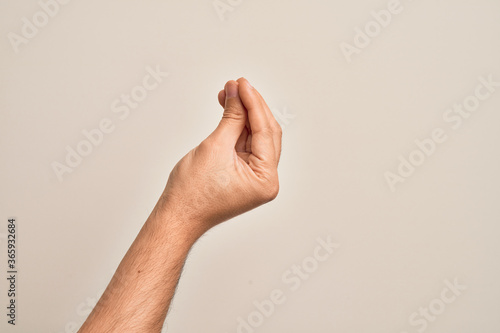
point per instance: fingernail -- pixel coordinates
(231, 90)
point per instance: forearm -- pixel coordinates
(232, 171)
(139, 294)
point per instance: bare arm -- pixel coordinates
(230, 172)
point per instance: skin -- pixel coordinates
(230, 172)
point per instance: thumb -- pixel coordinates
(234, 117)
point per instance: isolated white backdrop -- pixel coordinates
(347, 121)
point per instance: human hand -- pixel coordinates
(234, 169)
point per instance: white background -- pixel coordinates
(345, 125)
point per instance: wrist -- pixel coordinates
(168, 217)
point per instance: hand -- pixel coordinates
(234, 169)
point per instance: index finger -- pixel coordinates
(261, 131)
(263, 119)
(257, 116)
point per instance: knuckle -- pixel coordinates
(269, 131)
(278, 129)
(205, 145)
(271, 191)
(233, 112)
